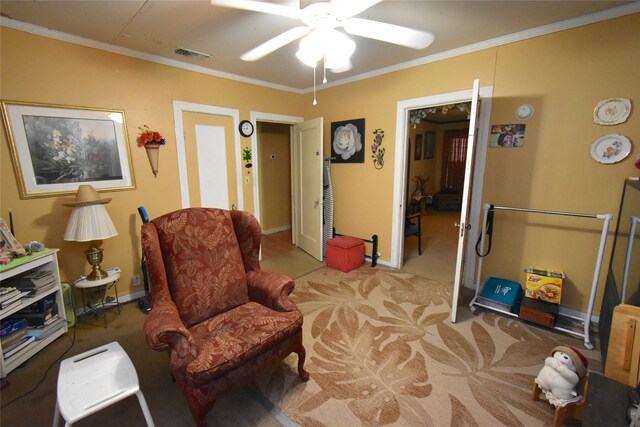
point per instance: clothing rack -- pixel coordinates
(606, 218)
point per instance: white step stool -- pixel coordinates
(95, 379)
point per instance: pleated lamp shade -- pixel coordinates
(89, 223)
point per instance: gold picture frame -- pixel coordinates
(56, 148)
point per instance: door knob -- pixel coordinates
(316, 203)
(233, 207)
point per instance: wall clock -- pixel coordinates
(246, 128)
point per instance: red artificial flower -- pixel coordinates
(149, 136)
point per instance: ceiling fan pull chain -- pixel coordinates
(315, 102)
(324, 67)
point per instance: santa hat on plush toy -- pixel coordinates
(579, 361)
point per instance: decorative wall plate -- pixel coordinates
(524, 111)
(612, 111)
(610, 148)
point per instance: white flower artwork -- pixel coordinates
(347, 142)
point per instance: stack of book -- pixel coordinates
(34, 282)
(10, 297)
(14, 337)
(501, 294)
(42, 317)
(39, 314)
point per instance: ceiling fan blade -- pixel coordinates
(258, 6)
(389, 33)
(275, 43)
(344, 9)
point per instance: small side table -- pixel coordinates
(102, 286)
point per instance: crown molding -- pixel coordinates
(604, 15)
(592, 18)
(70, 38)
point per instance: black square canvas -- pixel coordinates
(347, 141)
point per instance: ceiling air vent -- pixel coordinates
(191, 53)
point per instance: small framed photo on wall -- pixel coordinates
(418, 148)
(429, 145)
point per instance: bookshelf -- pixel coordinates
(44, 260)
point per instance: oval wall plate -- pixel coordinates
(612, 111)
(610, 148)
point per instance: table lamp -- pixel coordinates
(90, 222)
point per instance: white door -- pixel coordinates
(463, 225)
(212, 167)
(187, 116)
(308, 160)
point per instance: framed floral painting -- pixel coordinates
(347, 141)
(56, 148)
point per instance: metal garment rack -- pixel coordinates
(606, 218)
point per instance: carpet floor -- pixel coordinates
(381, 350)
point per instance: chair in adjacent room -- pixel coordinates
(220, 317)
(412, 228)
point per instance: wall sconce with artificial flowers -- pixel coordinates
(151, 141)
(378, 153)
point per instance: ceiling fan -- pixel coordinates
(321, 38)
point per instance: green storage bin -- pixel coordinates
(69, 306)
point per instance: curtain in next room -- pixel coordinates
(454, 159)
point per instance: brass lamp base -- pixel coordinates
(94, 257)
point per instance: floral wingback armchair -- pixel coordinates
(218, 315)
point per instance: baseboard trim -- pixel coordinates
(277, 229)
(121, 298)
(379, 262)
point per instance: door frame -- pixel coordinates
(257, 116)
(180, 107)
(400, 181)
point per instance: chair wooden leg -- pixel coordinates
(199, 415)
(302, 354)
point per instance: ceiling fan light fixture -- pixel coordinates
(341, 67)
(327, 43)
(311, 49)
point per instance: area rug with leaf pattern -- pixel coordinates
(381, 350)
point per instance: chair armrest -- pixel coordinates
(271, 289)
(163, 327)
(164, 330)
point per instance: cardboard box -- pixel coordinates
(544, 284)
(538, 311)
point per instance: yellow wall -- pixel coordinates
(275, 187)
(563, 75)
(37, 69)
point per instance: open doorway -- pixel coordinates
(435, 172)
(476, 157)
(274, 158)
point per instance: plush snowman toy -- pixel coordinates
(562, 372)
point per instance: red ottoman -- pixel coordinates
(345, 253)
